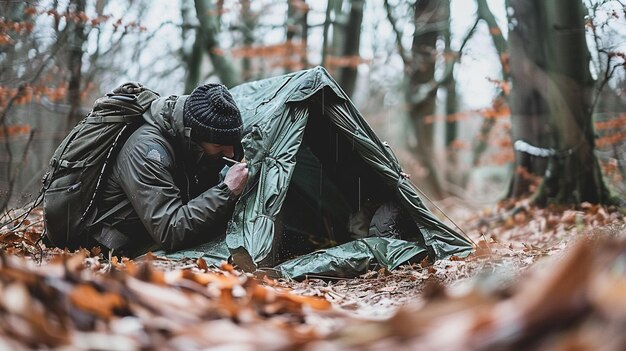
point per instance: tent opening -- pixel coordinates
(334, 196)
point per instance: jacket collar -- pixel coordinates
(166, 113)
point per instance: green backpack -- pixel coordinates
(80, 165)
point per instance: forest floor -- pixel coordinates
(551, 278)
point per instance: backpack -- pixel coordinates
(80, 165)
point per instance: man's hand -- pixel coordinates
(236, 178)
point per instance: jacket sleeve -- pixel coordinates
(147, 179)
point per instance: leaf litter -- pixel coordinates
(551, 278)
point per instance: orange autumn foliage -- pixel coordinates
(102, 304)
(344, 61)
(616, 122)
(265, 51)
(14, 130)
(28, 93)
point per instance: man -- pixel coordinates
(165, 190)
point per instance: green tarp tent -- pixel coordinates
(318, 175)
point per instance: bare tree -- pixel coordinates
(77, 38)
(450, 83)
(47, 73)
(421, 85)
(247, 26)
(347, 75)
(192, 59)
(207, 35)
(340, 52)
(297, 26)
(500, 44)
(557, 73)
(530, 113)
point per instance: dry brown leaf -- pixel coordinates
(32, 235)
(608, 294)
(520, 218)
(201, 263)
(16, 299)
(167, 302)
(96, 251)
(221, 281)
(227, 303)
(552, 221)
(227, 267)
(569, 217)
(315, 303)
(10, 238)
(102, 304)
(560, 293)
(483, 249)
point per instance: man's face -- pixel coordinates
(217, 151)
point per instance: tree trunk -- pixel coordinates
(297, 26)
(77, 38)
(325, 38)
(194, 63)
(337, 43)
(94, 57)
(427, 16)
(247, 31)
(563, 82)
(304, 60)
(499, 42)
(192, 59)
(575, 177)
(347, 75)
(209, 30)
(530, 114)
(451, 102)
(338, 25)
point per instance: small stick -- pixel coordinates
(230, 160)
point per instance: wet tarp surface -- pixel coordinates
(303, 134)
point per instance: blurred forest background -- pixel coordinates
(480, 99)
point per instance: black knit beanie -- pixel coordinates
(211, 113)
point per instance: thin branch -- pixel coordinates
(608, 73)
(13, 178)
(428, 26)
(3, 113)
(449, 69)
(166, 23)
(398, 32)
(325, 33)
(35, 77)
(485, 14)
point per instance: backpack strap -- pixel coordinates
(75, 164)
(100, 176)
(113, 119)
(55, 163)
(111, 211)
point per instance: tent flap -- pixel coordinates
(353, 258)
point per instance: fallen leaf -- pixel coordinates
(87, 298)
(202, 264)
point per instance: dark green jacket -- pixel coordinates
(161, 192)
